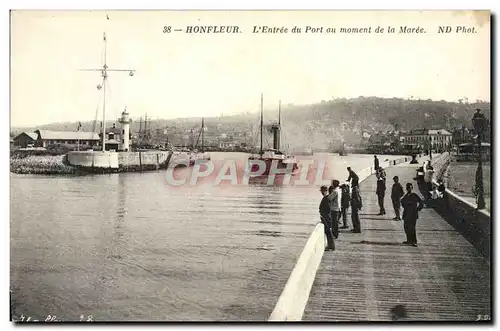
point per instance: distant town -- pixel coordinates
(362, 125)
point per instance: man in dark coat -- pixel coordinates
(325, 214)
(412, 204)
(344, 204)
(381, 174)
(356, 205)
(353, 176)
(381, 195)
(396, 195)
(375, 162)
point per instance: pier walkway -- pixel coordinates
(443, 279)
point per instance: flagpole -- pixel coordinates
(104, 72)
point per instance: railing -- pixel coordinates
(293, 299)
(473, 224)
(441, 164)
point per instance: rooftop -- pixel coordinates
(428, 132)
(67, 135)
(32, 135)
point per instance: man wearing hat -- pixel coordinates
(325, 215)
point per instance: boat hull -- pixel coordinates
(280, 165)
(198, 157)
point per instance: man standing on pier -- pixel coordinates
(334, 197)
(325, 214)
(412, 204)
(356, 205)
(396, 195)
(380, 174)
(375, 162)
(344, 204)
(381, 194)
(352, 176)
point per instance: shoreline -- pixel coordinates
(48, 164)
(57, 165)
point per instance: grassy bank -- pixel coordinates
(462, 179)
(40, 165)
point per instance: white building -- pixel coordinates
(439, 139)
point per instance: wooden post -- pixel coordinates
(157, 161)
(140, 161)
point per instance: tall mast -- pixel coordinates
(261, 122)
(202, 133)
(278, 133)
(104, 79)
(140, 130)
(104, 73)
(146, 136)
(192, 140)
(279, 113)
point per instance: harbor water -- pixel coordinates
(128, 247)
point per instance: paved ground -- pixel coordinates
(443, 279)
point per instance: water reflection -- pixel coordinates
(118, 240)
(129, 247)
(268, 205)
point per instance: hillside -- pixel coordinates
(317, 124)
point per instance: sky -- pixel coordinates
(194, 75)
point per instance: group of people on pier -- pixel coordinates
(338, 198)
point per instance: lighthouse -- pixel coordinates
(125, 134)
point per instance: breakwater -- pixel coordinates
(41, 165)
(81, 162)
(93, 161)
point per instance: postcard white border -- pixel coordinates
(187, 4)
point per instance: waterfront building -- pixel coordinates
(438, 139)
(45, 138)
(381, 143)
(24, 139)
(113, 138)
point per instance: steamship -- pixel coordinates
(283, 161)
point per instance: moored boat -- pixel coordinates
(274, 155)
(196, 155)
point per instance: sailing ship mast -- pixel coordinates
(104, 73)
(202, 134)
(140, 131)
(279, 127)
(279, 113)
(261, 123)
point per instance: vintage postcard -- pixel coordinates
(266, 165)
